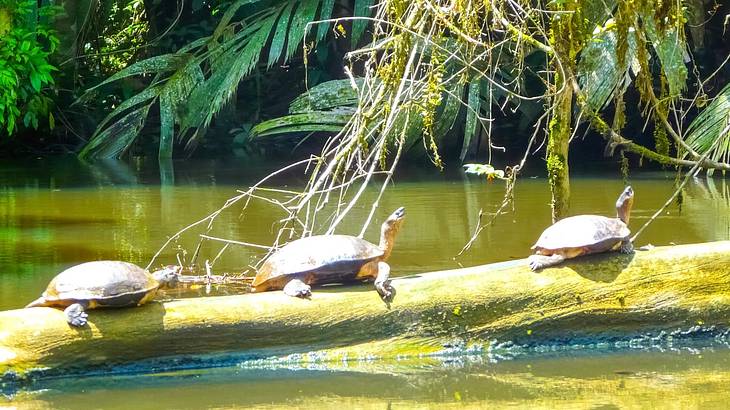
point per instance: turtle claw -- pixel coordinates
(627, 247)
(75, 315)
(537, 262)
(384, 290)
(382, 282)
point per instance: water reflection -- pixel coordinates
(689, 378)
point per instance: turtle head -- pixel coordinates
(389, 230)
(168, 277)
(624, 203)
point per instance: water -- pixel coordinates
(679, 379)
(54, 214)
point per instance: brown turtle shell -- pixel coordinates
(582, 231)
(105, 283)
(316, 259)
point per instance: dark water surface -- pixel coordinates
(54, 214)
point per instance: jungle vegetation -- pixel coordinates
(365, 83)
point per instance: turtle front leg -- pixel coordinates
(297, 288)
(538, 262)
(76, 315)
(382, 282)
(626, 246)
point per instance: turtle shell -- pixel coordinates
(582, 231)
(105, 283)
(316, 259)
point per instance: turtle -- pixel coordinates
(99, 284)
(585, 234)
(321, 259)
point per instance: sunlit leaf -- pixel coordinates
(707, 127)
(325, 121)
(325, 96)
(671, 47)
(599, 75)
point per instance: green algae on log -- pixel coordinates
(598, 297)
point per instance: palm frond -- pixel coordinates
(670, 45)
(323, 121)
(143, 96)
(362, 9)
(228, 15)
(597, 12)
(599, 75)
(152, 65)
(326, 96)
(167, 125)
(236, 62)
(304, 14)
(324, 14)
(116, 139)
(707, 127)
(446, 118)
(474, 103)
(188, 96)
(277, 43)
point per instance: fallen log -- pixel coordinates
(599, 297)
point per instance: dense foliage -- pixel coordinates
(458, 78)
(26, 42)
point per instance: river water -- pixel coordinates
(57, 213)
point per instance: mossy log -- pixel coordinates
(596, 297)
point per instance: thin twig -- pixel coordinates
(676, 192)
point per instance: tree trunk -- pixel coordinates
(557, 153)
(596, 298)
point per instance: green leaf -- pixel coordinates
(157, 64)
(304, 14)
(472, 112)
(277, 44)
(447, 117)
(324, 14)
(139, 98)
(35, 81)
(706, 128)
(597, 12)
(325, 121)
(671, 47)
(326, 96)
(115, 140)
(167, 126)
(228, 15)
(362, 9)
(207, 98)
(599, 75)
